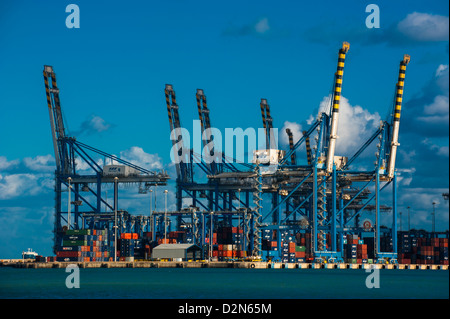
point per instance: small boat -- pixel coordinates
(29, 254)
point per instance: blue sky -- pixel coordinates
(112, 71)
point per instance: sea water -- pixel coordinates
(223, 283)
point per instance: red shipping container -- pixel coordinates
(300, 254)
(273, 243)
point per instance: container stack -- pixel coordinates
(228, 243)
(224, 252)
(356, 251)
(84, 245)
(129, 246)
(422, 250)
(386, 244)
(294, 249)
(230, 235)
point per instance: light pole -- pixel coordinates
(68, 204)
(409, 219)
(115, 218)
(433, 218)
(150, 219)
(165, 216)
(211, 237)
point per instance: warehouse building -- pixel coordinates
(177, 252)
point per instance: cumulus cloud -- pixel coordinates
(40, 163)
(139, 157)
(424, 27)
(18, 185)
(355, 126)
(296, 130)
(415, 28)
(6, 165)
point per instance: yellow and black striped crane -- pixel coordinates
(335, 107)
(397, 112)
(308, 148)
(291, 146)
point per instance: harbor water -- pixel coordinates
(223, 283)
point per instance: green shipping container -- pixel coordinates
(78, 232)
(300, 248)
(370, 261)
(74, 242)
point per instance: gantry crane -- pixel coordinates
(322, 192)
(87, 186)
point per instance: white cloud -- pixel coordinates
(405, 176)
(94, 124)
(262, 25)
(5, 164)
(296, 130)
(439, 106)
(439, 150)
(137, 156)
(41, 163)
(99, 124)
(425, 27)
(17, 185)
(442, 69)
(355, 125)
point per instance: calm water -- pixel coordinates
(188, 283)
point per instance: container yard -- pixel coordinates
(313, 219)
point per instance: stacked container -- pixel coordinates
(84, 245)
(228, 251)
(356, 250)
(230, 235)
(130, 247)
(413, 249)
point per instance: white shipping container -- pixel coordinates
(119, 170)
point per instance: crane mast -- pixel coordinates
(335, 110)
(397, 111)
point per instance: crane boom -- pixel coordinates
(308, 148)
(291, 146)
(267, 124)
(63, 162)
(336, 100)
(203, 114)
(397, 111)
